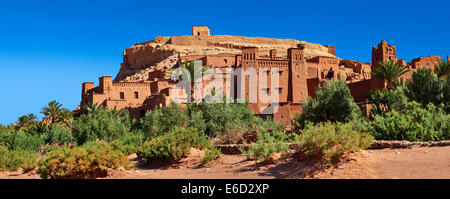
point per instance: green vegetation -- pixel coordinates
(58, 135)
(333, 103)
(101, 124)
(219, 118)
(387, 100)
(425, 87)
(174, 145)
(17, 139)
(11, 160)
(442, 68)
(390, 72)
(413, 123)
(329, 142)
(266, 145)
(88, 161)
(159, 121)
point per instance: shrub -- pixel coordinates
(197, 121)
(233, 136)
(219, 118)
(387, 100)
(330, 141)
(414, 123)
(333, 102)
(88, 161)
(4, 129)
(58, 135)
(17, 139)
(101, 124)
(173, 145)
(446, 96)
(425, 87)
(129, 143)
(265, 146)
(13, 160)
(284, 137)
(160, 121)
(266, 125)
(211, 155)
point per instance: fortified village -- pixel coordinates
(142, 83)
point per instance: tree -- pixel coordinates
(26, 121)
(442, 68)
(52, 110)
(390, 71)
(333, 102)
(160, 120)
(190, 71)
(64, 117)
(92, 108)
(387, 100)
(425, 87)
(102, 124)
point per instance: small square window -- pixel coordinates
(122, 95)
(266, 90)
(136, 95)
(280, 90)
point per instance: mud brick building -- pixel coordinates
(299, 74)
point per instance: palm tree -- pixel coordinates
(52, 110)
(26, 121)
(390, 71)
(64, 116)
(192, 72)
(117, 112)
(442, 68)
(92, 108)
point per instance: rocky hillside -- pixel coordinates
(163, 52)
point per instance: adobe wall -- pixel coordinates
(359, 90)
(200, 31)
(312, 85)
(144, 56)
(425, 62)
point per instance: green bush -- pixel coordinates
(129, 143)
(17, 139)
(387, 100)
(4, 129)
(88, 161)
(414, 123)
(425, 87)
(211, 155)
(101, 124)
(333, 103)
(266, 145)
(58, 135)
(219, 118)
(329, 141)
(161, 120)
(174, 145)
(197, 121)
(266, 125)
(446, 96)
(13, 160)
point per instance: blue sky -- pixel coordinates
(48, 48)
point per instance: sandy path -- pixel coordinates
(416, 163)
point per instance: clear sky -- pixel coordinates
(48, 48)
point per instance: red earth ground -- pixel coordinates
(416, 162)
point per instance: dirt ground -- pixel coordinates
(415, 163)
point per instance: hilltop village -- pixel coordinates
(142, 83)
